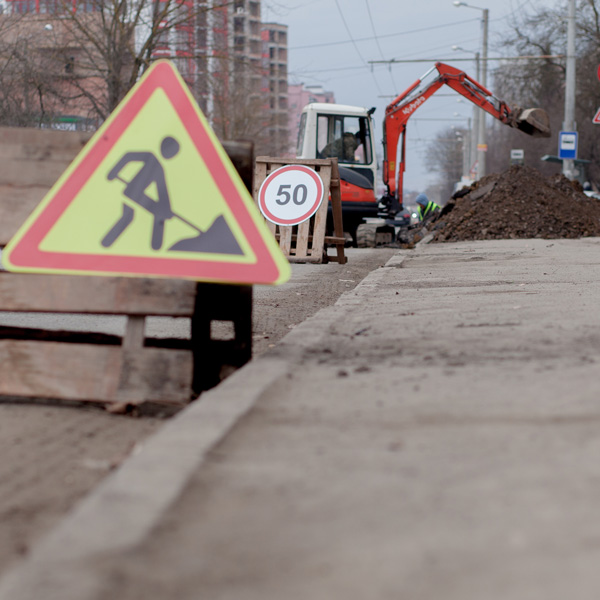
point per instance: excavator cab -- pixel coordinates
(346, 133)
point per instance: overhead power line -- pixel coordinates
(381, 37)
(377, 41)
(354, 43)
(432, 60)
(487, 58)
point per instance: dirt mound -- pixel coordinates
(519, 203)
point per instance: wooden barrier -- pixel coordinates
(308, 242)
(119, 372)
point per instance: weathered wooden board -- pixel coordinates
(55, 145)
(17, 202)
(103, 295)
(89, 372)
(307, 241)
(83, 366)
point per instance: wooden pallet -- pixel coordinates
(308, 242)
(119, 372)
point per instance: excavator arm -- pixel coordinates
(532, 121)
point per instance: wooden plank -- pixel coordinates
(54, 137)
(336, 209)
(134, 333)
(285, 239)
(241, 154)
(23, 172)
(302, 238)
(260, 174)
(85, 372)
(102, 295)
(16, 204)
(41, 144)
(310, 162)
(271, 227)
(156, 375)
(320, 218)
(306, 259)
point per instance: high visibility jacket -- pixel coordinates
(428, 210)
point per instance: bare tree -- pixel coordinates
(81, 57)
(445, 156)
(24, 74)
(239, 109)
(110, 43)
(540, 82)
(85, 55)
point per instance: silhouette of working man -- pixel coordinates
(150, 173)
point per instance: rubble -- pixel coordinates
(518, 203)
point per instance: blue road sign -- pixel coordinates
(567, 144)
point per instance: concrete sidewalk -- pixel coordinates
(435, 434)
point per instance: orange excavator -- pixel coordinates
(346, 132)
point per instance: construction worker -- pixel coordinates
(426, 208)
(343, 148)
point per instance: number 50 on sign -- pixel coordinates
(290, 195)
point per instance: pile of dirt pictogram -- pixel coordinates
(519, 203)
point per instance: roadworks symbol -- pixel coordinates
(218, 238)
(153, 194)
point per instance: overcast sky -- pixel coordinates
(331, 42)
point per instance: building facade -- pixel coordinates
(299, 95)
(235, 65)
(275, 67)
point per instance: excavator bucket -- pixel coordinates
(534, 122)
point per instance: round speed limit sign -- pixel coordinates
(290, 195)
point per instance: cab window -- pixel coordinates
(301, 130)
(346, 138)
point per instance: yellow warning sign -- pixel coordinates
(152, 194)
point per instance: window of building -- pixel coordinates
(23, 6)
(162, 39)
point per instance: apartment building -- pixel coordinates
(299, 95)
(45, 81)
(235, 65)
(275, 65)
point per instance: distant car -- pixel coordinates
(403, 218)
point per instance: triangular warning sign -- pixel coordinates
(596, 118)
(153, 194)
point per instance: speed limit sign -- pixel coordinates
(290, 195)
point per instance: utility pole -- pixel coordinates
(481, 142)
(569, 122)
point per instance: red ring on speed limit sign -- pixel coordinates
(290, 195)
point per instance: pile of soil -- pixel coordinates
(519, 203)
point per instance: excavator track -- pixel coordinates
(369, 235)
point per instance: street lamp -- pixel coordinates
(477, 115)
(569, 122)
(481, 146)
